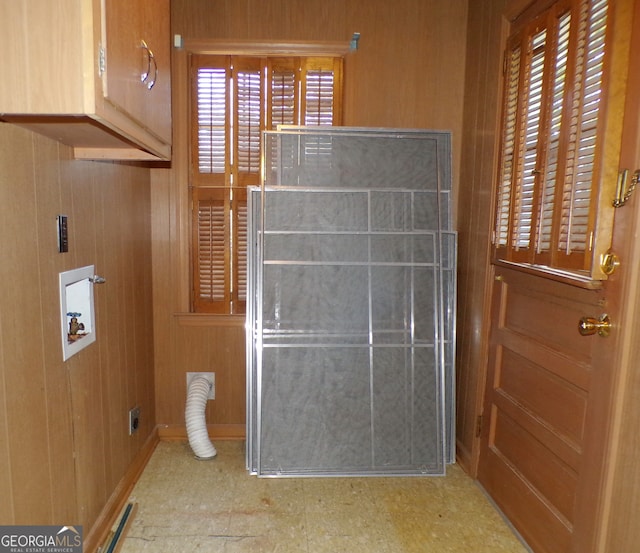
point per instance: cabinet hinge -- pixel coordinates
(102, 60)
(478, 426)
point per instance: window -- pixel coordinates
(551, 137)
(233, 99)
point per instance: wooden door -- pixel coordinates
(549, 396)
(546, 410)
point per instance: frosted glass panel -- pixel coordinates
(351, 314)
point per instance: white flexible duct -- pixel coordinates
(195, 418)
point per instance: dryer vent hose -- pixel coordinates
(195, 418)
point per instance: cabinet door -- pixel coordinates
(157, 34)
(137, 51)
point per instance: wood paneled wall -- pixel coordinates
(475, 205)
(64, 443)
(408, 72)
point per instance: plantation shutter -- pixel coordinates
(210, 96)
(320, 77)
(578, 193)
(240, 239)
(559, 87)
(548, 181)
(509, 160)
(283, 92)
(529, 141)
(234, 99)
(249, 122)
(211, 215)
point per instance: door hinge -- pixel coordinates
(478, 426)
(102, 60)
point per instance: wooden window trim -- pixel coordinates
(266, 48)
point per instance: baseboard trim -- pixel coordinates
(216, 431)
(110, 512)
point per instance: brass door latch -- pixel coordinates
(589, 326)
(623, 194)
(609, 262)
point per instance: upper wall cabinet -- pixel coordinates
(93, 74)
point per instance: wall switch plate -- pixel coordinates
(134, 420)
(211, 377)
(63, 234)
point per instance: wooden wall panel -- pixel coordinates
(54, 192)
(64, 443)
(24, 374)
(408, 70)
(202, 346)
(6, 487)
(475, 205)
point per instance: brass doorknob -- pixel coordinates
(589, 326)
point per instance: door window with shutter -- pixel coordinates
(555, 82)
(234, 99)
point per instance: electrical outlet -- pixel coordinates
(134, 420)
(211, 377)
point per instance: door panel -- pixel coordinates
(545, 446)
(539, 398)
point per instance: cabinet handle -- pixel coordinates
(155, 71)
(144, 76)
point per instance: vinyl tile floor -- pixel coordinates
(186, 505)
